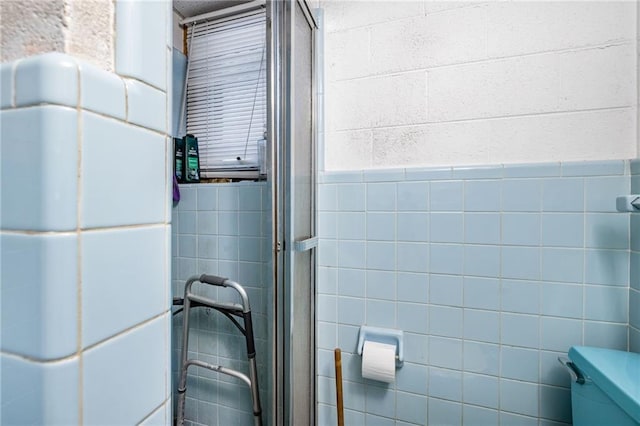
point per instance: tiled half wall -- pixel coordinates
(223, 229)
(85, 245)
(491, 272)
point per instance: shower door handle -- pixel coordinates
(306, 244)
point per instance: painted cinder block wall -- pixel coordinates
(85, 220)
(80, 28)
(457, 83)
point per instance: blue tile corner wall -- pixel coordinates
(85, 240)
(223, 229)
(491, 272)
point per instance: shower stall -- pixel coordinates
(255, 229)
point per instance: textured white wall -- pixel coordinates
(450, 83)
(29, 28)
(82, 28)
(90, 33)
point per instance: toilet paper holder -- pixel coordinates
(383, 335)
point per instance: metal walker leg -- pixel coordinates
(230, 310)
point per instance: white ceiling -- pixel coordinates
(188, 8)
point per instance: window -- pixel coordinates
(226, 92)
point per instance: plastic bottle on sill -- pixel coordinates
(192, 163)
(178, 159)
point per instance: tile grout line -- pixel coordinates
(14, 66)
(32, 359)
(92, 111)
(168, 203)
(127, 330)
(74, 232)
(126, 99)
(584, 257)
(79, 257)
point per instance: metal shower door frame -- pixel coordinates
(281, 101)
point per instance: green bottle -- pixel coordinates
(192, 163)
(178, 158)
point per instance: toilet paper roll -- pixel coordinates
(379, 361)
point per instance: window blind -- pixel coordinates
(226, 90)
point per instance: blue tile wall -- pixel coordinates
(39, 393)
(179, 67)
(142, 54)
(85, 238)
(491, 272)
(222, 229)
(124, 272)
(43, 198)
(39, 317)
(106, 141)
(634, 287)
(102, 92)
(144, 391)
(147, 105)
(50, 78)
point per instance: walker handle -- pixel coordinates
(213, 280)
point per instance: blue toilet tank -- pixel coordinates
(607, 389)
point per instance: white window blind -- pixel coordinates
(226, 90)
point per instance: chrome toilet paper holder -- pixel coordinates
(383, 335)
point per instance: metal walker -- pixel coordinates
(230, 310)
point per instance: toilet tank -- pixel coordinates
(605, 389)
